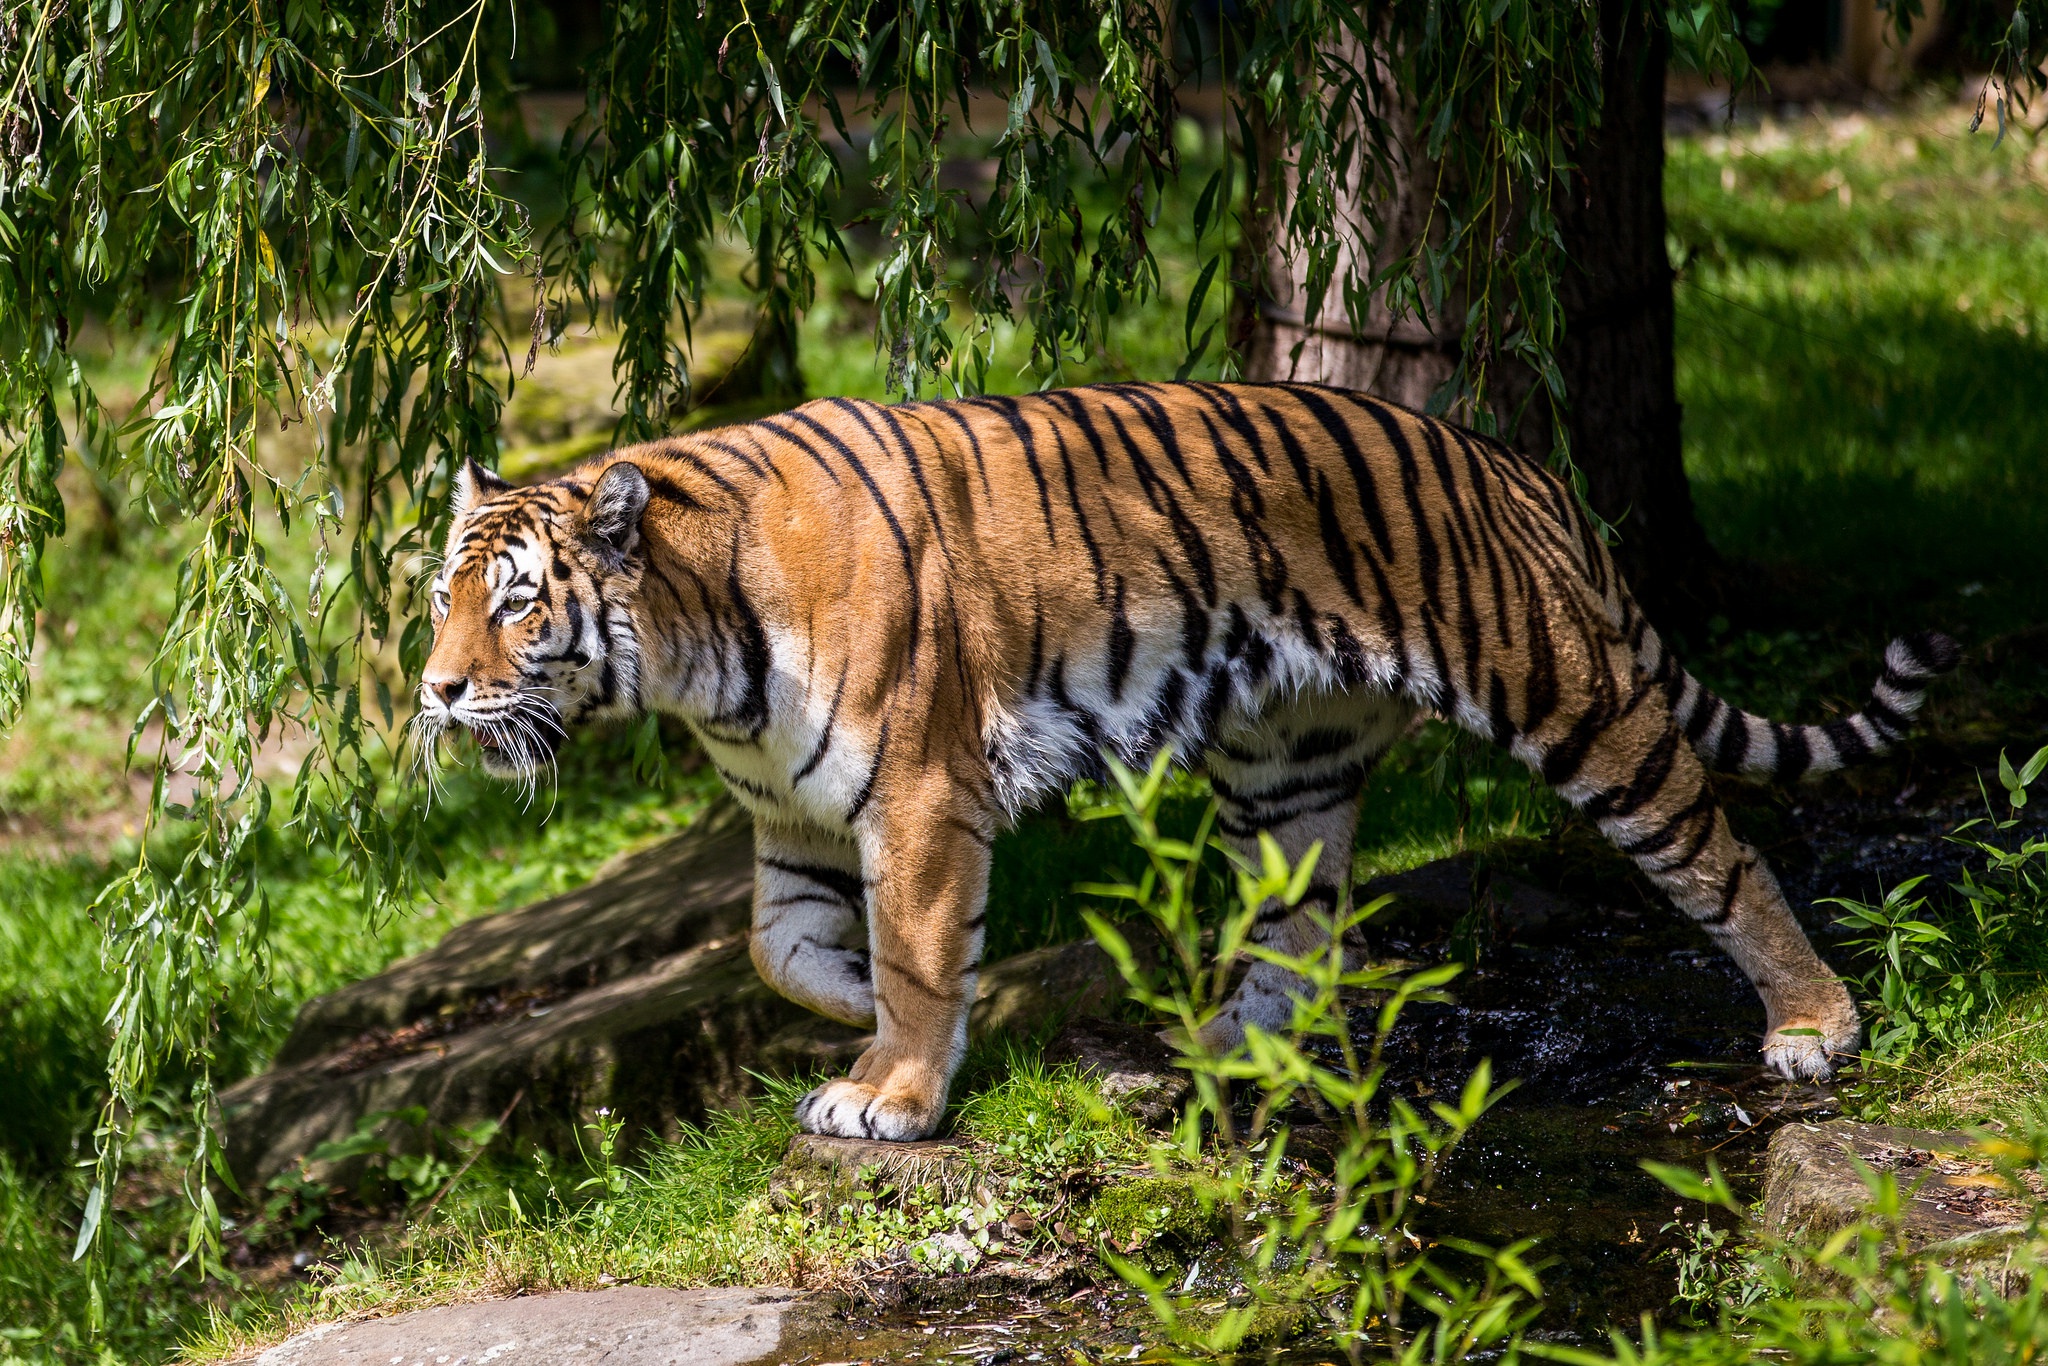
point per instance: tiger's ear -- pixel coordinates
(473, 484)
(611, 519)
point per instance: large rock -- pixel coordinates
(634, 993)
(1131, 1066)
(819, 1165)
(1952, 1204)
(624, 1326)
(681, 894)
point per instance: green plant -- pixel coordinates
(1861, 1294)
(409, 1169)
(1336, 1253)
(1712, 1266)
(1938, 971)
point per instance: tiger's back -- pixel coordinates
(894, 626)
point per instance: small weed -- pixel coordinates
(1714, 1270)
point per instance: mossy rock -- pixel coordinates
(1272, 1325)
(1175, 1210)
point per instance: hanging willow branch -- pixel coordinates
(295, 207)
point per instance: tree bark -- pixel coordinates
(1622, 411)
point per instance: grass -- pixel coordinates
(1999, 1075)
(700, 1210)
(1859, 372)
(1863, 323)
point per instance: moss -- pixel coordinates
(1270, 1325)
(1179, 1208)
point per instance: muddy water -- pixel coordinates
(1628, 1035)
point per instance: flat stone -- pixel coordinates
(622, 1326)
(818, 1163)
(1947, 1192)
(1132, 1066)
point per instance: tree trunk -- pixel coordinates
(1616, 355)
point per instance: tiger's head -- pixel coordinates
(532, 611)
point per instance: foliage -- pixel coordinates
(1860, 1294)
(1712, 1266)
(1936, 974)
(1341, 1252)
(145, 1302)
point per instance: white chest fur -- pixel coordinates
(812, 762)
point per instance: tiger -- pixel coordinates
(895, 627)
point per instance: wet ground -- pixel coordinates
(1627, 1041)
(1629, 1036)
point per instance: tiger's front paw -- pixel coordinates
(1801, 1050)
(852, 1109)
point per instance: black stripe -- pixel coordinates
(1194, 618)
(858, 411)
(914, 634)
(867, 787)
(668, 488)
(773, 424)
(1795, 756)
(824, 737)
(1648, 780)
(1342, 436)
(849, 886)
(1122, 643)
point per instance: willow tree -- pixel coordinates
(297, 210)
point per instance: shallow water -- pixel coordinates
(1629, 1037)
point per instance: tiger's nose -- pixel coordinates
(449, 690)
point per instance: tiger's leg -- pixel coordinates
(810, 940)
(927, 858)
(1642, 784)
(1296, 774)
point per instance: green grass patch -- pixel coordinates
(702, 1210)
(1863, 323)
(1998, 1074)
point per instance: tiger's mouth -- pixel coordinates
(521, 741)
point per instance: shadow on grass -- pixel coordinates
(1887, 436)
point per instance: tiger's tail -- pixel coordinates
(1730, 740)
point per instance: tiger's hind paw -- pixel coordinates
(852, 1109)
(1798, 1051)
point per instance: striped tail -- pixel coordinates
(1731, 740)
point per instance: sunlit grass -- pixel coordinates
(1863, 327)
(700, 1211)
